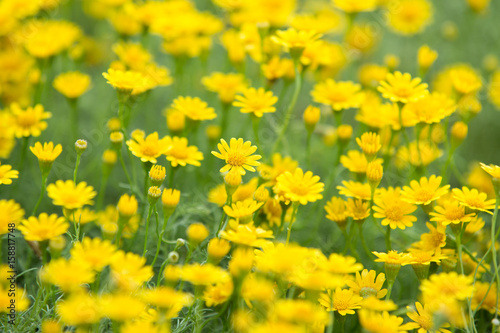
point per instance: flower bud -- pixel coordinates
(374, 173)
(218, 248)
(213, 132)
(113, 124)
(127, 206)
(458, 133)
(116, 139)
(109, 230)
(232, 180)
(173, 257)
(180, 242)
(311, 117)
(57, 245)
(196, 233)
(426, 57)
(154, 193)
(344, 133)
(80, 146)
(176, 121)
(261, 194)
(109, 157)
(157, 174)
(170, 199)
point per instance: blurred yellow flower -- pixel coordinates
(256, 101)
(29, 122)
(69, 195)
(72, 84)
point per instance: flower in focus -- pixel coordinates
(343, 301)
(46, 154)
(425, 191)
(238, 155)
(193, 108)
(367, 284)
(243, 210)
(129, 82)
(148, 149)
(474, 199)
(256, 101)
(69, 195)
(299, 186)
(450, 212)
(395, 212)
(295, 41)
(72, 84)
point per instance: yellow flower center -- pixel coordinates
(26, 119)
(474, 202)
(454, 213)
(341, 304)
(235, 159)
(149, 149)
(403, 91)
(300, 189)
(394, 213)
(422, 195)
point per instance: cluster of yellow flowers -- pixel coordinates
(253, 221)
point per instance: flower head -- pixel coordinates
(400, 87)
(425, 191)
(450, 211)
(29, 122)
(238, 155)
(243, 210)
(72, 84)
(226, 85)
(299, 186)
(11, 212)
(368, 283)
(44, 227)
(295, 40)
(69, 195)
(129, 82)
(46, 154)
(193, 108)
(340, 95)
(247, 234)
(369, 142)
(395, 212)
(181, 154)
(409, 17)
(256, 101)
(148, 149)
(344, 301)
(474, 199)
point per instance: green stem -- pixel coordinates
(24, 150)
(147, 230)
(102, 190)
(458, 242)
(74, 117)
(494, 250)
(388, 238)
(308, 150)
(295, 207)
(78, 156)
(160, 272)
(363, 242)
(255, 127)
(389, 290)
(44, 183)
(291, 106)
(122, 162)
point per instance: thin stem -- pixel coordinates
(74, 117)
(78, 156)
(458, 241)
(363, 242)
(494, 250)
(44, 183)
(292, 220)
(122, 162)
(291, 106)
(389, 290)
(171, 177)
(102, 190)
(308, 150)
(160, 272)
(147, 230)
(388, 238)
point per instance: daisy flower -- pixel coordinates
(343, 301)
(256, 101)
(69, 195)
(410, 17)
(399, 87)
(149, 148)
(181, 154)
(11, 213)
(355, 189)
(474, 199)
(193, 108)
(339, 95)
(72, 84)
(367, 284)
(299, 186)
(425, 191)
(29, 122)
(395, 212)
(238, 155)
(451, 211)
(45, 227)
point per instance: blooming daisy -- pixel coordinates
(129, 270)
(492, 170)
(181, 154)
(7, 174)
(369, 142)
(450, 211)
(295, 40)
(44, 227)
(395, 212)
(148, 149)
(339, 264)
(256, 101)
(425, 191)
(95, 252)
(336, 210)
(46, 153)
(399, 87)
(424, 319)
(247, 234)
(343, 301)
(11, 212)
(340, 95)
(69, 195)
(193, 108)
(367, 284)
(238, 155)
(29, 122)
(358, 209)
(203, 275)
(299, 186)
(129, 82)
(355, 189)
(382, 322)
(67, 274)
(474, 199)
(243, 210)
(226, 85)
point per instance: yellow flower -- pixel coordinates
(203, 275)
(226, 85)
(247, 234)
(339, 264)
(399, 87)
(66, 194)
(444, 287)
(450, 211)
(343, 301)
(95, 253)
(121, 307)
(465, 80)
(299, 186)
(256, 101)
(299, 311)
(150, 148)
(368, 284)
(29, 122)
(426, 57)
(294, 40)
(12, 213)
(69, 275)
(492, 170)
(409, 17)
(193, 108)
(79, 309)
(357, 209)
(484, 294)
(369, 142)
(355, 6)
(47, 153)
(41, 42)
(394, 211)
(168, 299)
(392, 258)
(279, 165)
(129, 270)
(7, 174)
(474, 199)
(354, 189)
(127, 205)
(494, 89)
(340, 95)
(243, 210)
(218, 248)
(382, 322)
(425, 191)
(197, 232)
(354, 161)
(72, 84)
(130, 82)
(336, 211)
(238, 155)
(423, 318)
(45, 227)
(429, 109)
(133, 55)
(181, 154)
(170, 197)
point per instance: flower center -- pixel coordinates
(474, 202)
(455, 213)
(394, 213)
(26, 119)
(300, 189)
(149, 149)
(235, 159)
(423, 195)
